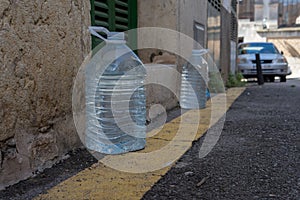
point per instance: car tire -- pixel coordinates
(283, 79)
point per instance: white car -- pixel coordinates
(273, 63)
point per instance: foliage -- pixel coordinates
(215, 84)
(235, 80)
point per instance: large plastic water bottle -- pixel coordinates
(194, 81)
(115, 99)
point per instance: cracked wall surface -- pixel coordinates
(42, 45)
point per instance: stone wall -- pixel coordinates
(42, 44)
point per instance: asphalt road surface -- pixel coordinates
(256, 157)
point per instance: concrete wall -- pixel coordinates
(161, 80)
(225, 56)
(42, 44)
(291, 50)
(171, 14)
(176, 15)
(248, 31)
(191, 11)
(157, 13)
(233, 56)
(280, 33)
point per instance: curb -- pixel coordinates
(102, 182)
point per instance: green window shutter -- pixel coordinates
(115, 15)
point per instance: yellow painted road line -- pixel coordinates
(101, 182)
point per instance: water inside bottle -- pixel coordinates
(193, 84)
(120, 107)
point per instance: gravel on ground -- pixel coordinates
(256, 157)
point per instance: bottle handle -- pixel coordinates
(95, 29)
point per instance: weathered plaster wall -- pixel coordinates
(156, 13)
(171, 14)
(225, 44)
(175, 15)
(161, 14)
(42, 44)
(191, 11)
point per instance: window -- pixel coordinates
(115, 15)
(253, 48)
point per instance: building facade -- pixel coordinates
(273, 13)
(288, 13)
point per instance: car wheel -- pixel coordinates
(272, 79)
(283, 79)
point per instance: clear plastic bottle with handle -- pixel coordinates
(115, 97)
(194, 80)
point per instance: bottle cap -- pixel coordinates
(112, 37)
(199, 51)
(116, 36)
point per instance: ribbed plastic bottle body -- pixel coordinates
(119, 105)
(193, 84)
